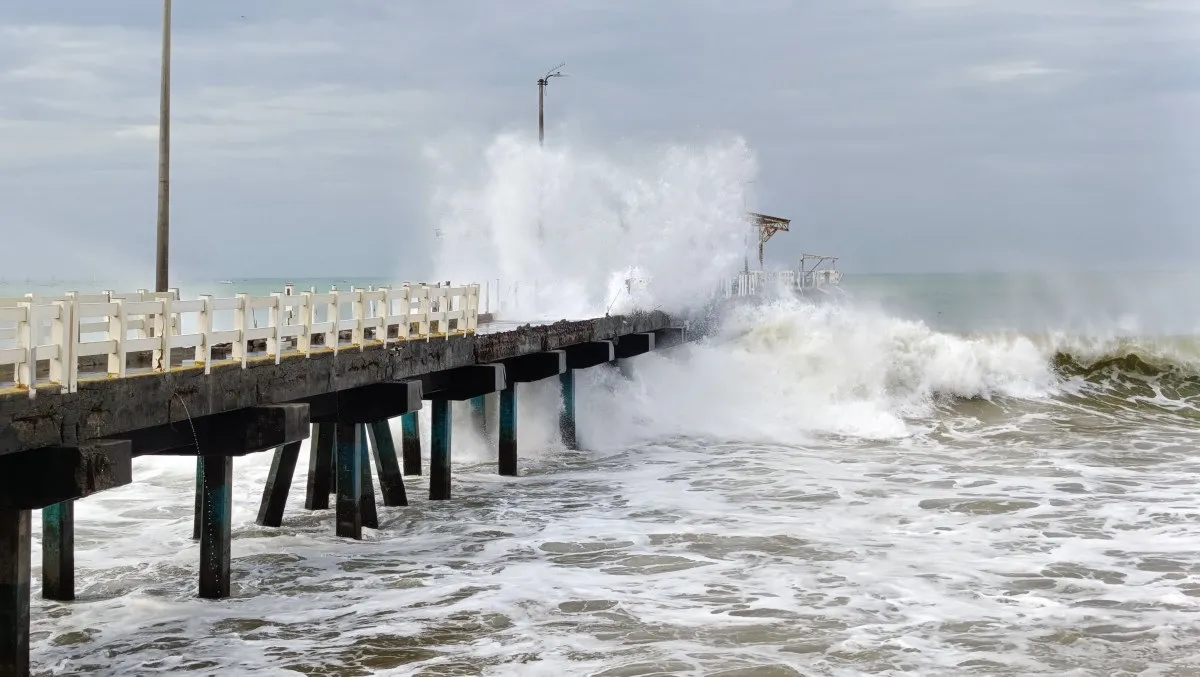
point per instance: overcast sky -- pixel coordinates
(899, 134)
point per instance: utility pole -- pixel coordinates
(542, 82)
(164, 156)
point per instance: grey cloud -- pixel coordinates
(901, 134)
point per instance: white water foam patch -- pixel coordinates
(782, 372)
(691, 557)
(580, 220)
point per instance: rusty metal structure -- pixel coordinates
(767, 226)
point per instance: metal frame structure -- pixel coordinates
(767, 226)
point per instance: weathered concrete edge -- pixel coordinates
(109, 407)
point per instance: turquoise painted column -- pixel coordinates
(58, 551)
(15, 542)
(391, 482)
(216, 530)
(508, 430)
(411, 443)
(370, 516)
(349, 481)
(320, 462)
(279, 483)
(439, 453)
(566, 417)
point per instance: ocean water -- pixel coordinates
(935, 475)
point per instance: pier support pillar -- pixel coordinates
(349, 481)
(508, 430)
(279, 482)
(58, 551)
(411, 443)
(15, 540)
(198, 509)
(391, 481)
(439, 453)
(370, 516)
(216, 530)
(320, 465)
(566, 416)
(479, 415)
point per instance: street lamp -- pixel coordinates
(542, 82)
(164, 155)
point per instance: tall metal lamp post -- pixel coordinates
(164, 156)
(542, 82)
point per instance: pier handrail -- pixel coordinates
(62, 330)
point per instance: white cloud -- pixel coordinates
(1009, 71)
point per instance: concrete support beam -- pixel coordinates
(566, 415)
(632, 345)
(349, 481)
(370, 516)
(320, 467)
(590, 354)
(508, 431)
(279, 482)
(15, 541)
(411, 443)
(35, 479)
(439, 454)
(391, 481)
(464, 383)
(235, 433)
(535, 367)
(216, 528)
(58, 551)
(669, 337)
(377, 402)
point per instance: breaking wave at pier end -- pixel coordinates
(579, 220)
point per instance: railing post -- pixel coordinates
(205, 322)
(424, 306)
(162, 332)
(334, 316)
(359, 313)
(239, 323)
(405, 294)
(26, 372)
(383, 310)
(274, 315)
(60, 335)
(117, 332)
(73, 339)
(307, 312)
(176, 323)
(473, 309)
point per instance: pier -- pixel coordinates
(91, 382)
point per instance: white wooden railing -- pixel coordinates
(63, 330)
(756, 282)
